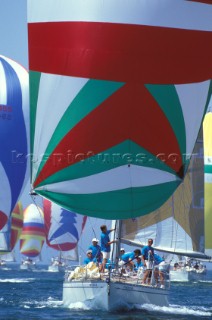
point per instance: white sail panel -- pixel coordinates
(161, 13)
(115, 179)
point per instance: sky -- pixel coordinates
(13, 30)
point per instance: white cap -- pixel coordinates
(95, 240)
(122, 249)
(89, 251)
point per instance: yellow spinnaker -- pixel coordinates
(207, 132)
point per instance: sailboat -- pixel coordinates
(63, 230)
(14, 114)
(177, 227)
(32, 237)
(118, 92)
(10, 235)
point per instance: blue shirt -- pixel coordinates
(145, 252)
(104, 240)
(96, 250)
(128, 256)
(138, 265)
(157, 259)
(109, 263)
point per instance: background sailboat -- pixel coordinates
(125, 111)
(63, 230)
(10, 234)
(14, 118)
(32, 237)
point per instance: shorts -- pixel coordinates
(149, 265)
(106, 255)
(161, 265)
(164, 267)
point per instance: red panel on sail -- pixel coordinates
(121, 52)
(131, 113)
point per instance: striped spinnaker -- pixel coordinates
(14, 127)
(118, 93)
(33, 233)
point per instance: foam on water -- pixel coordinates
(176, 309)
(80, 306)
(205, 281)
(50, 303)
(18, 280)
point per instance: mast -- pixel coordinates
(115, 252)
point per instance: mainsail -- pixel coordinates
(177, 226)
(118, 91)
(207, 125)
(33, 235)
(63, 229)
(14, 106)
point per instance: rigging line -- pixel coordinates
(91, 226)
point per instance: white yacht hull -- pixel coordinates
(27, 267)
(185, 276)
(179, 276)
(56, 268)
(113, 295)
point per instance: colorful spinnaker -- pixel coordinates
(207, 126)
(14, 122)
(16, 224)
(10, 233)
(118, 91)
(33, 234)
(63, 228)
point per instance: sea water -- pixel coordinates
(38, 295)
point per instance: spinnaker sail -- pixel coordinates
(33, 232)
(207, 126)
(14, 119)
(16, 224)
(11, 232)
(63, 229)
(118, 91)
